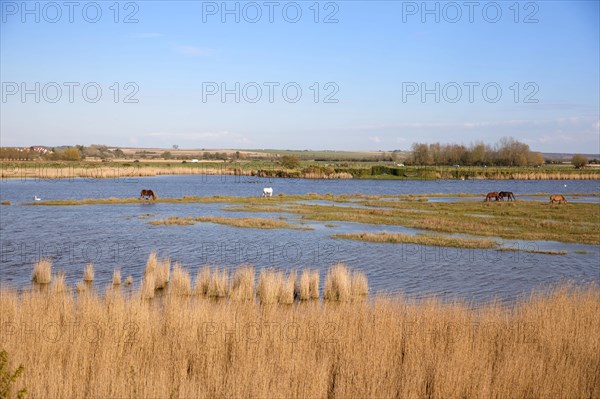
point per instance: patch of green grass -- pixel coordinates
(527, 220)
(188, 199)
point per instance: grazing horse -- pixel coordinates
(146, 194)
(558, 198)
(267, 191)
(491, 195)
(507, 194)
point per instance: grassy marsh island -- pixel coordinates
(519, 220)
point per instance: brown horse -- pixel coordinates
(146, 194)
(491, 195)
(506, 194)
(558, 198)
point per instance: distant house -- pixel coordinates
(40, 150)
(194, 161)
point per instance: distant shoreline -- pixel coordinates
(376, 171)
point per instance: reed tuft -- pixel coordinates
(42, 271)
(58, 283)
(181, 282)
(287, 289)
(162, 273)
(360, 285)
(202, 281)
(269, 283)
(219, 281)
(242, 286)
(338, 284)
(116, 278)
(88, 273)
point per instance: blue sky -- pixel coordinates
(369, 69)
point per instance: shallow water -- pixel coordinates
(119, 235)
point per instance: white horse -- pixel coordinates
(267, 191)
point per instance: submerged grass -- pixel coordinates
(422, 239)
(253, 223)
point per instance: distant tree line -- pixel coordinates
(506, 152)
(17, 154)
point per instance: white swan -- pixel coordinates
(36, 198)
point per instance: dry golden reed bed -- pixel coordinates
(213, 337)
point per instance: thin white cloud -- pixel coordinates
(193, 51)
(147, 35)
(375, 139)
(220, 136)
(575, 120)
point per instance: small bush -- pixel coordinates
(579, 161)
(8, 378)
(290, 161)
